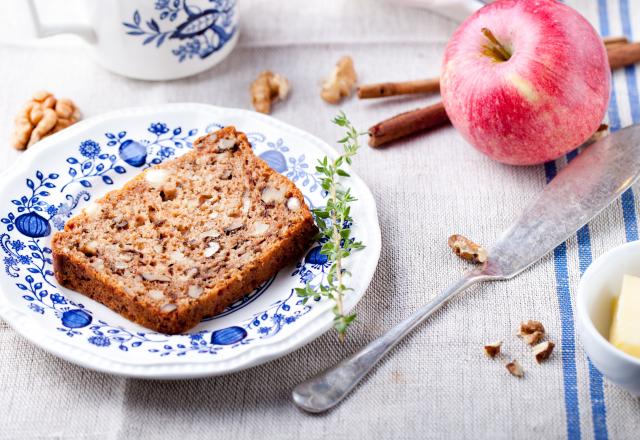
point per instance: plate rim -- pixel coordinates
(33, 332)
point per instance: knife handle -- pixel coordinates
(327, 389)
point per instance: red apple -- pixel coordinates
(526, 81)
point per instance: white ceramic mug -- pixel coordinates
(154, 39)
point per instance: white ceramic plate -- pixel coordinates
(55, 179)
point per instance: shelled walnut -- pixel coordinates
(341, 82)
(42, 116)
(267, 88)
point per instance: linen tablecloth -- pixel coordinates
(437, 383)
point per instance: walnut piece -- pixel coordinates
(226, 144)
(341, 81)
(90, 249)
(293, 204)
(267, 88)
(271, 195)
(492, 350)
(168, 308)
(543, 350)
(515, 368)
(211, 249)
(467, 249)
(155, 294)
(42, 116)
(531, 331)
(194, 291)
(259, 228)
(149, 276)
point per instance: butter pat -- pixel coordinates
(625, 328)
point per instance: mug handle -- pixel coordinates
(43, 30)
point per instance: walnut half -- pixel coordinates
(341, 82)
(42, 116)
(267, 88)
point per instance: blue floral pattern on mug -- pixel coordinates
(199, 31)
(37, 210)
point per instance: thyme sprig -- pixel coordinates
(334, 223)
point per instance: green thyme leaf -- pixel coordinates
(334, 224)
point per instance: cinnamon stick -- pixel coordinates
(609, 42)
(623, 55)
(406, 123)
(426, 118)
(379, 90)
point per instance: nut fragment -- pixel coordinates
(259, 228)
(42, 116)
(148, 276)
(492, 350)
(212, 249)
(341, 82)
(467, 249)
(272, 195)
(93, 209)
(168, 308)
(226, 174)
(234, 225)
(98, 264)
(531, 331)
(293, 204)
(211, 233)
(226, 144)
(194, 291)
(246, 203)
(168, 191)
(155, 294)
(156, 177)
(515, 368)
(192, 272)
(543, 350)
(90, 248)
(120, 222)
(266, 89)
(178, 257)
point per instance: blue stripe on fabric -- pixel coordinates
(572, 406)
(629, 215)
(596, 383)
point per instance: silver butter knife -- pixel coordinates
(591, 181)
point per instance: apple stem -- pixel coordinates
(495, 49)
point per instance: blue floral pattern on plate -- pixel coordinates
(38, 209)
(200, 32)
